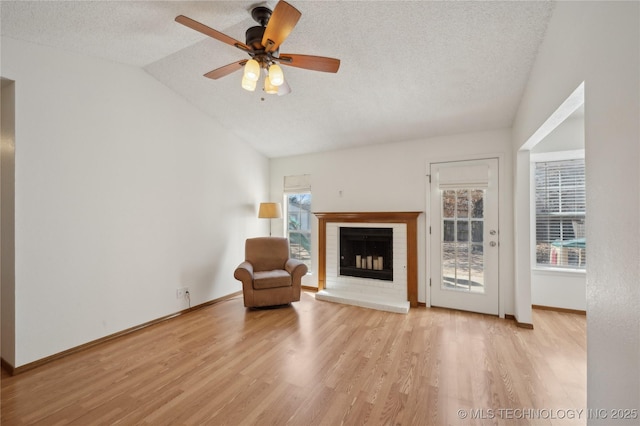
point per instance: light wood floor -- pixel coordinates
(314, 363)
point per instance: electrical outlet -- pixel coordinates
(181, 293)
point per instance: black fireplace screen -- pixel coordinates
(367, 253)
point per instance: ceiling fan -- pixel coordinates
(263, 46)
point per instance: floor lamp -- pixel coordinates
(270, 211)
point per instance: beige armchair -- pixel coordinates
(269, 277)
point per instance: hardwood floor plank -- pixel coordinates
(358, 412)
(312, 363)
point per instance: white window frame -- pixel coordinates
(548, 157)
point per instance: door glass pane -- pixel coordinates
(448, 204)
(477, 268)
(463, 270)
(463, 203)
(449, 265)
(463, 230)
(448, 232)
(477, 208)
(463, 240)
(477, 229)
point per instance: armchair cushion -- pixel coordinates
(271, 279)
(267, 253)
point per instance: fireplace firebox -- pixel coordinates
(366, 252)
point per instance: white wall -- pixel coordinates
(599, 43)
(559, 289)
(124, 192)
(392, 177)
(568, 136)
(522, 241)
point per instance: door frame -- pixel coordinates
(505, 231)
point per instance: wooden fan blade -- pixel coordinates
(225, 70)
(195, 25)
(282, 21)
(310, 62)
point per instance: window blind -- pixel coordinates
(297, 184)
(560, 202)
(463, 177)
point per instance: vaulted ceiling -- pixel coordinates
(409, 69)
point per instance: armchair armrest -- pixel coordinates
(244, 272)
(295, 267)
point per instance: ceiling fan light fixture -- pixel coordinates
(249, 85)
(275, 75)
(252, 70)
(263, 46)
(270, 88)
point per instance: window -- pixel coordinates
(297, 194)
(560, 198)
(299, 226)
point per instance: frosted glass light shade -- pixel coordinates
(249, 85)
(252, 70)
(270, 88)
(275, 75)
(270, 211)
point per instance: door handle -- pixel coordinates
(493, 244)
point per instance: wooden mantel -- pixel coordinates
(408, 218)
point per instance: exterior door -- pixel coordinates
(464, 247)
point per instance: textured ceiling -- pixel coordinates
(409, 70)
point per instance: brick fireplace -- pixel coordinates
(391, 285)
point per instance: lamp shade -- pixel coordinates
(270, 211)
(252, 70)
(249, 85)
(275, 75)
(270, 88)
